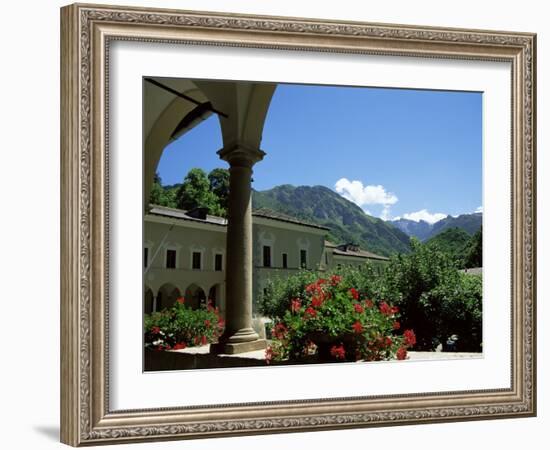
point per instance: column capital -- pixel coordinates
(241, 155)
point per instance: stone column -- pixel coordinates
(239, 336)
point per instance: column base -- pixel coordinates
(232, 348)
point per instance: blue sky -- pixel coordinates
(394, 152)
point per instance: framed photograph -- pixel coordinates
(285, 224)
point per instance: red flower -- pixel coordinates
(410, 338)
(338, 352)
(269, 353)
(354, 293)
(335, 279)
(310, 312)
(295, 305)
(385, 309)
(155, 330)
(179, 346)
(369, 303)
(279, 331)
(221, 322)
(396, 325)
(394, 309)
(357, 327)
(207, 323)
(401, 353)
(180, 300)
(388, 342)
(317, 300)
(204, 340)
(313, 287)
(358, 308)
(321, 281)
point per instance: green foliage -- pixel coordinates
(347, 221)
(162, 196)
(279, 291)
(453, 242)
(333, 321)
(180, 326)
(434, 297)
(219, 185)
(473, 253)
(195, 192)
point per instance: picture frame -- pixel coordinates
(87, 32)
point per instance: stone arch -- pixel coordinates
(167, 295)
(195, 296)
(148, 300)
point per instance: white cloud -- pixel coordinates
(424, 215)
(363, 195)
(479, 209)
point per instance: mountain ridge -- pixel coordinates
(422, 230)
(347, 221)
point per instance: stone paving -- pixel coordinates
(260, 354)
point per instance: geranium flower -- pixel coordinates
(335, 279)
(357, 327)
(310, 312)
(369, 303)
(295, 305)
(269, 353)
(317, 300)
(401, 353)
(155, 330)
(338, 351)
(180, 300)
(279, 331)
(396, 325)
(204, 340)
(385, 309)
(179, 346)
(207, 323)
(358, 308)
(410, 338)
(354, 293)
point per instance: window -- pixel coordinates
(267, 256)
(218, 258)
(303, 259)
(170, 259)
(285, 261)
(196, 261)
(145, 257)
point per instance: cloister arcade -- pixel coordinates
(175, 106)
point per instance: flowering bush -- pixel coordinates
(180, 326)
(340, 323)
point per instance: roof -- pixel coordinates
(359, 254)
(164, 211)
(273, 215)
(473, 271)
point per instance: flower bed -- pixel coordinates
(180, 326)
(338, 323)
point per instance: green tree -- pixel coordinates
(434, 297)
(195, 192)
(160, 195)
(219, 185)
(474, 251)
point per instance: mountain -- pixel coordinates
(347, 221)
(422, 230)
(453, 241)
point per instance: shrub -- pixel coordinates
(180, 326)
(337, 322)
(434, 297)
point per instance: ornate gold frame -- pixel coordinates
(86, 31)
